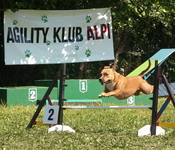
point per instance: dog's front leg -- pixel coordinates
(111, 93)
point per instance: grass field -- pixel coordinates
(95, 130)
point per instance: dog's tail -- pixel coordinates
(144, 71)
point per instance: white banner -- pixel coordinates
(57, 36)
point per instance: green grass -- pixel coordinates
(95, 130)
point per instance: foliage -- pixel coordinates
(140, 28)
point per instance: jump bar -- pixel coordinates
(107, 107)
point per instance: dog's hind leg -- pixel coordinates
(146, 88)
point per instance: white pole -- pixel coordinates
(107, 107)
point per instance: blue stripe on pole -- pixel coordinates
(106, 107)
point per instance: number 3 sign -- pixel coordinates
(51, 114)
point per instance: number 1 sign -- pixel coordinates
(51, 114)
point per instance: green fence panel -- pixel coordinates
(25, 95)
(85, 90)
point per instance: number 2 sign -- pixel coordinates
(51, 114)
(32, 94)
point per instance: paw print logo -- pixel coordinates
(88, 19)
(88, 53)
(27, 53)
(15, 22)
(44, 19)
(48, 42)
(77, 47)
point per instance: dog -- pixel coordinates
(123, 87)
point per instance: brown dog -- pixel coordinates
(122, 87)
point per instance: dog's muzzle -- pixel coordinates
(100, 80)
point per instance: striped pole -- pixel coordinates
(107, 107)
(167, 124)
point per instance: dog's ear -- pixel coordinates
(111, 65)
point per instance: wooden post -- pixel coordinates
(155, 98)
(170, 93)
(42, 102)
(61, 94)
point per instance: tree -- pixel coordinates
(140, 28)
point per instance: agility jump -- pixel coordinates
(155, 115)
